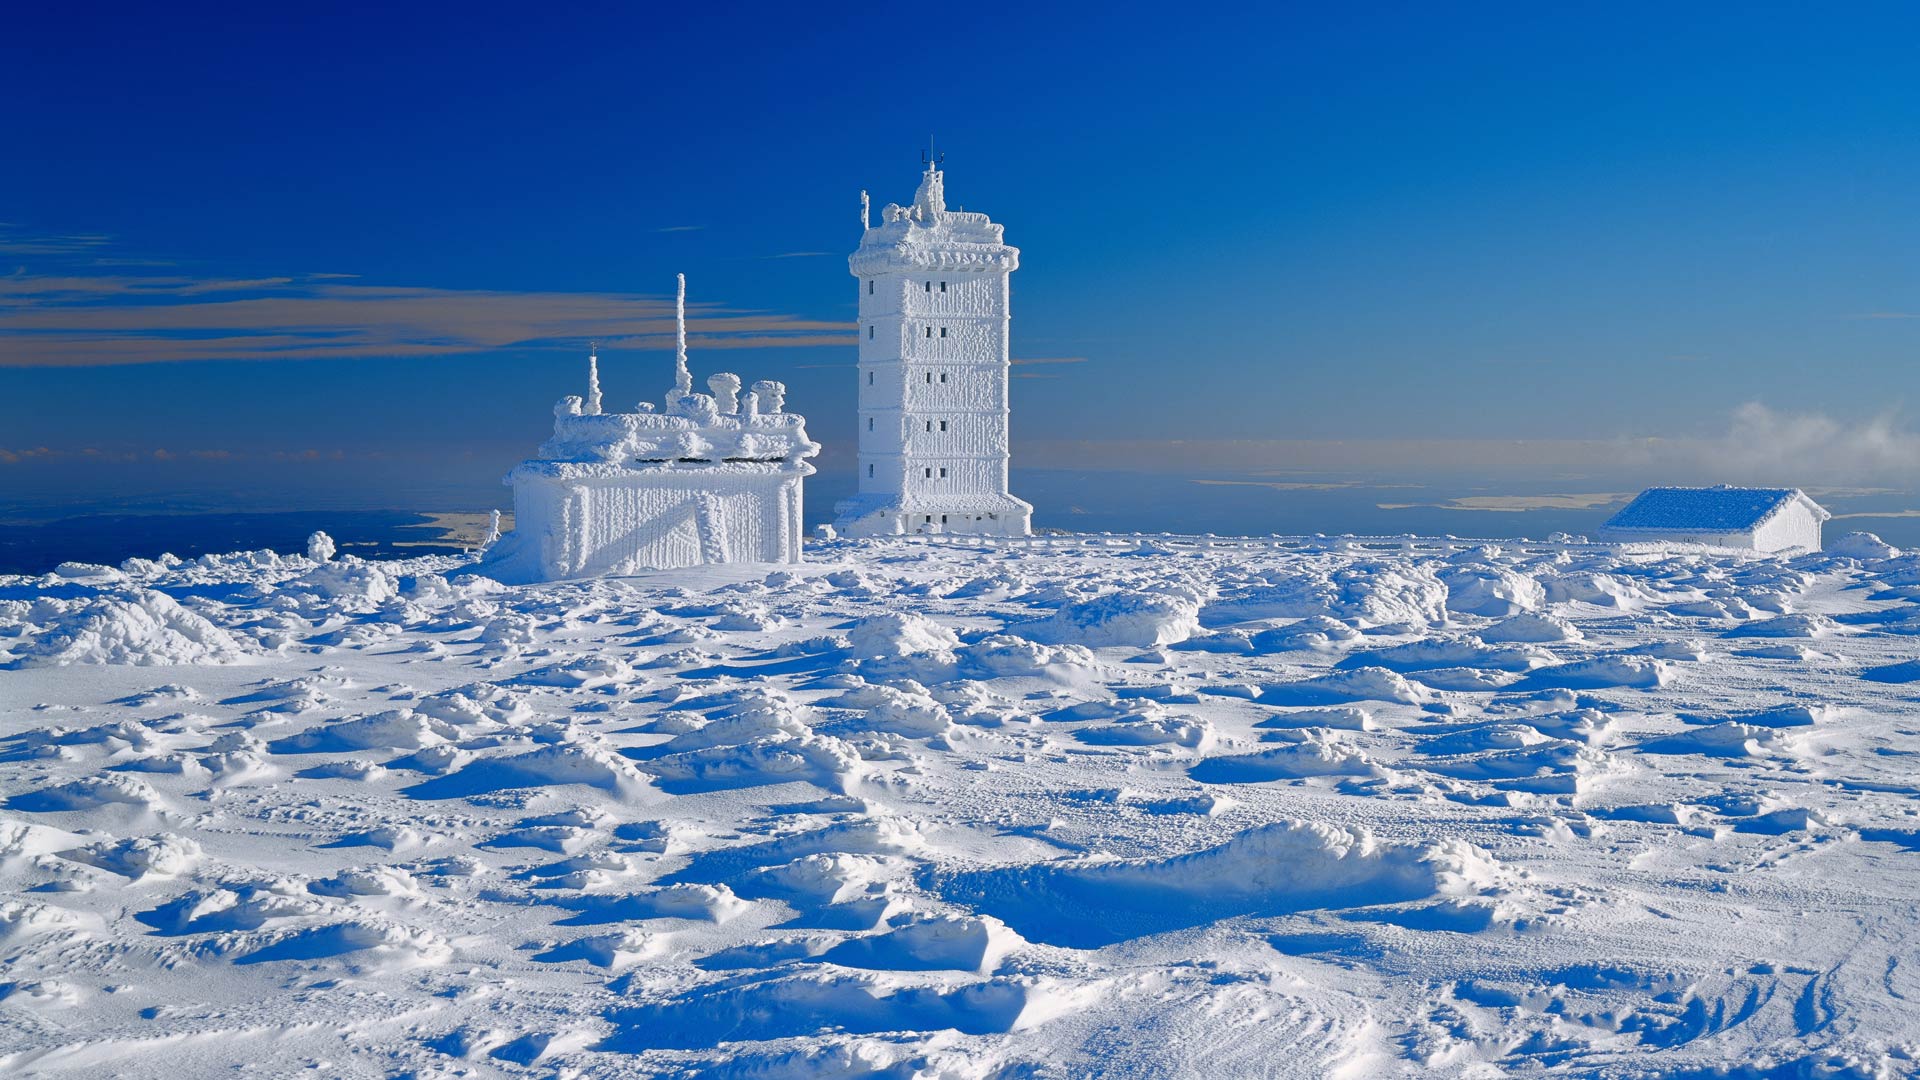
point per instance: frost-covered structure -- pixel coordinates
(710, 478)
(933, 372)
(1752, 519)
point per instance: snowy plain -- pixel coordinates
(1064, 807)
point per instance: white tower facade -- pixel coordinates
(933, 373)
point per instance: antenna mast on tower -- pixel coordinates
(682, 378)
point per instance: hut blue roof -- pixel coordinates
(1706, 510)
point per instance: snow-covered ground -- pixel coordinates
(1081, 806)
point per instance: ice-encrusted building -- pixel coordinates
(933, 372)
(1752, 519)
(709, 478)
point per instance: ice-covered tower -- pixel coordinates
(933, 372)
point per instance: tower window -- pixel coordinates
(943, 425)
(929, 425)
(929, 286)
(943, 476)
(929, 376)
(869, 470)
(869, 378)
(929, 473)
(943, 288)
(929, 331)
(869, 331)
(943, 331)
(869, 286)
(929, 519)
(943, 376)
(943, 517)
(869, 423)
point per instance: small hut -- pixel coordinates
(1748, 519)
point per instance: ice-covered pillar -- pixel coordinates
(593, 379)
(772, 395)
(726, 392)
(682, 378)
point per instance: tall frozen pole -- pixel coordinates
(682, 378)
(863, 211)
(593, 379)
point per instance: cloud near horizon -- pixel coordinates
(78, 320)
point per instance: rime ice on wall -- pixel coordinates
(933, 373)
(708, 479)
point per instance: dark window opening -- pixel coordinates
(943, 475)
(869, 331)
(869, 378)
(929, 425)
(869, 423)
(929, 331)
(869, 470)
(943, 286)
(943, 331)
(869, 288)
(929, 473)
(943, 376)
(943, 425)
(929, 286)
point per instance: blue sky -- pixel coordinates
(373, 243)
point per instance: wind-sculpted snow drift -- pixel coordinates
(1053, 807)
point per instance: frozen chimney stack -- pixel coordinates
(726, 392)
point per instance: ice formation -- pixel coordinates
(933, 372)
(1750, 519)
(711, 478)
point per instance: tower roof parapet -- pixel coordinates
(928, 236)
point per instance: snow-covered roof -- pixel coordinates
(1720, 509)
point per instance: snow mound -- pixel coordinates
(1314, 757)
(141, 627)
(931, 943)
(1370, 593)
(1731, 739)
(1491, 591)
(895, 635)
(89, 793)
(140, 857)
(1285, 866)
(1358, 684)
(1531, 627)
(1861, 545)
(1346, 718)
(1434, 653)
(1601, 672)
(1136, 619)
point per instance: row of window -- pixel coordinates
(943, 331)
(943, 424)
(943, 377)
(929, 286)
(928, 472)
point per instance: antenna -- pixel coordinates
(593, 378)
(682, 378)
(930, 159)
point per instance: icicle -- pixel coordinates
(682, 378)
(593, 379)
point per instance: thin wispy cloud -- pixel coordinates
(797, 255)
(14, 241)
(76, 320)
(1050, 360)
(680, 228)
